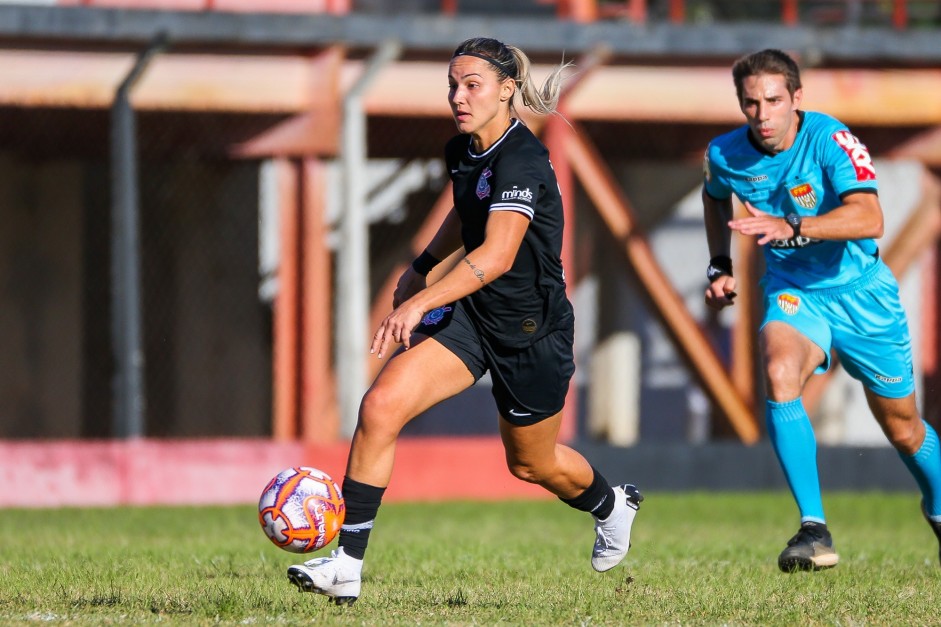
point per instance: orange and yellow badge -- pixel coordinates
(789, 303)
(804, 195)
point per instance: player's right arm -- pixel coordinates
(446, 240)
(717, 214)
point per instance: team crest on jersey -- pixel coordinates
(858, 154)
(483, 185)
(435, 316)
(788, 303)
(804, 195)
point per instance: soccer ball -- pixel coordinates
(301, 509)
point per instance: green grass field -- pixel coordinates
(696, 559)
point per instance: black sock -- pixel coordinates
(362, 503)
(598, 498)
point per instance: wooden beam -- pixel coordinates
(313, 132)
(925, 147)
(285, 84)
(319, 413)
(286, 306)
(920, 231)
(617, 213)
(581, 11)
(872, 97)
(182, 82)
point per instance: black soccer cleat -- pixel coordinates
(810, 549)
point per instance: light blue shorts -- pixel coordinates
(863, 322)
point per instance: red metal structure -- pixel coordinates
(282, 107)
(898, 11)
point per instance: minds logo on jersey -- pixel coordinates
(858, 154)
(483, 186)
(523, 195)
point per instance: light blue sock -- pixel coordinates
(793, 439)
(925, 466)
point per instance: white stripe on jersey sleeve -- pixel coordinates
(509, 206)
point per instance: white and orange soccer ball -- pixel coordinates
(301, 509)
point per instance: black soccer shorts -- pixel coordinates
(529, 384)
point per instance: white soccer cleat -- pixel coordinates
(337, 576)
(614, 533)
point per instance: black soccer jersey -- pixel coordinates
(513, 175)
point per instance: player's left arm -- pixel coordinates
(859, 217)
(446, 241)
(846, 162)
(485, 264)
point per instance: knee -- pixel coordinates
(906, 434)
(525, 471)
(378, 413)
(782, 377)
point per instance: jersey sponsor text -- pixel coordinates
(858, 154)
(517, 194)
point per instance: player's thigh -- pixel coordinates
(531, 384)
(415, 380)
(789, 354)
(870, 334)
(794, 329)
(530, 445)
(899, 420)
(530, 387)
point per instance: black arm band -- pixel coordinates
(424, 263)
(720, 265)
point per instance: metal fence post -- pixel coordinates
(353, 254)
(127, 345)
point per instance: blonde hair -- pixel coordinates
(511, 62)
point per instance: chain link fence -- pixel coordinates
(206, 332)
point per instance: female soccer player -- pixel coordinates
(502, 308)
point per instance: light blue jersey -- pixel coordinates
(825, 162)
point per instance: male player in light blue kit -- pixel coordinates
(809, 189)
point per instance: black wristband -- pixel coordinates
(424, 263)
(720, 265)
